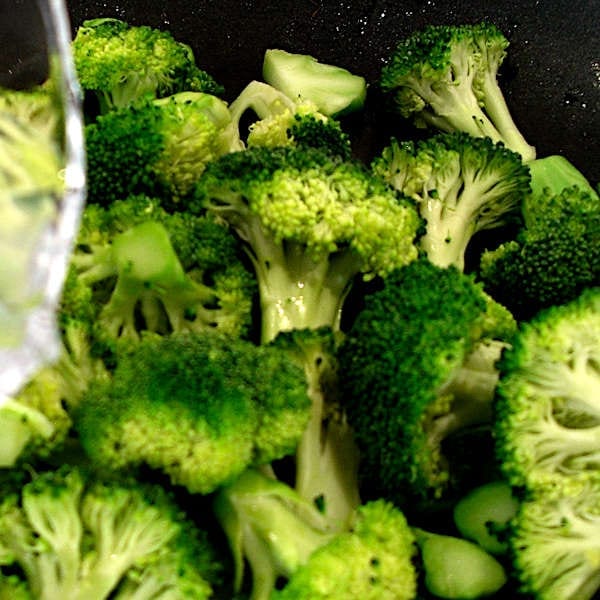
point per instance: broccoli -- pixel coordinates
(31, 160)
(553, 257)
(334, 90)
(200, 408)
(157, 147)
(326, 460)
(281, 121)
(151, 270)
(455, 568)
(121, 63)
(547, 406)
(462, 185)
(73, 535)
(281, 535)
(418, 367)
(554, 541)
(446, 77)
(311, 222)
(482, 514)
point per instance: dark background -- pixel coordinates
(551, 77)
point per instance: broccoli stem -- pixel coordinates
(500, 115)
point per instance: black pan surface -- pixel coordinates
(551, 77)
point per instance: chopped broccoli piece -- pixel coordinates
(280, 534)
(461, 184)
(333, 89)
(121, 63)
(547, 408)
(456, 568)
(554, 542)
(552, 174)
(446, 77)
(418, 365)
(79, 537)
(482, 514)
(159, 147)
(200, 408)
(150, 270)
(311, 223)
(554, 256)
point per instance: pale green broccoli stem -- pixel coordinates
(500, 115)
(327, 456)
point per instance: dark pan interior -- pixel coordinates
(551, 77)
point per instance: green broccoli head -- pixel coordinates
(311, 222)
(151, 270)
(445, 77)
(554, 541)
(461, 184)
(554, 256)
(547, 408)
(157, 147)
(374, 560)
(196, 407)
(122, 63)
(418, 365)
(73, 535)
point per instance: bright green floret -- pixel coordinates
(554, 256)
(120, 63)
(555, 542)
(333, 89)
(446, 77)
(418, 365)
(547, 410)
(158, 147)
(281, 535)
(311, 223)
(200, 408)
(150, 270)
(462, 185)
(75, 536)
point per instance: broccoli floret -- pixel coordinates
(276, 120)
(159, 147)
(281, 535)
(200, 408)
(446, 77)
(554, 256)
(76, 536)
(461, 184)
(311, 223)
(552, 174)
(418, 367)
(455, 568)
(333, 89)
(150, 270)
(547, 407)
(120, 63)
(554, 542)
(326, 460)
